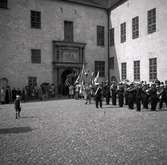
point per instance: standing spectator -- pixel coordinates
(2, 95)
(71, 91)
(14, 94)
(77, 90)
(7, 95)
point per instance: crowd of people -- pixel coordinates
(28, 93)
(135, 95)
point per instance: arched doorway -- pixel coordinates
(69, 74)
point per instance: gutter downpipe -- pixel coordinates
(108, 45)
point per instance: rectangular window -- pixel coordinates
(100, 67)
(153, 68)
(68, 31)
(36, 19)
(136, 70)
(111, 62)
(135, 27)
(4, 4)
(123, 32)
(32, 81)
(100, 35)
(35, 56)
(123, 70)
(151, 20)
(111, 35)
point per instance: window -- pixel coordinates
(32, 81)
(123, 69)
(111, 35)
(4, 4)
(123, 32)
(68, 31)
(136, 70)
(35, 56)
(151, 20)
(36, 19)
(100, 35)
(111, 62)
(100, 67)
(153, 68)
(135, 27)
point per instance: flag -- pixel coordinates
(78, 79)
(67, 82)
(81, 75)
(92, 78)
(96, 78)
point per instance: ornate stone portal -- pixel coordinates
(68, 58)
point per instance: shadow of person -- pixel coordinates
(27, 117)
(15, 130)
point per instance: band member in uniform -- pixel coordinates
(113, 90)
(145, 96)
(162, 96)
(120, 92)
(126, 93)
(131, 96)
(138, 97)
(153, 97)
(98, 96)
(107, 93)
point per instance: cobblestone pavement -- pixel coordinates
(68, 132)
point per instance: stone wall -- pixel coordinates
(17, 38)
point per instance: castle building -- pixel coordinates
(45, 40)
(139, 44)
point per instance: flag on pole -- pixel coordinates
(67, 82)
(96, 78)
(81, 75)
(78, 79)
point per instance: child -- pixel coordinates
(17, 106)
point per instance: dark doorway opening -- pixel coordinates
(69, 74)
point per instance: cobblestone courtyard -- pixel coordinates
(68, 132)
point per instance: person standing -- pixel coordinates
(145, 96)
(131, 96)
(98, 96)
(138, 97)
(113, 90)
(2, 95)
(17, 106)
(162, 96)
(120, 92)
(153, 97)
(71, 91)
(107, 93)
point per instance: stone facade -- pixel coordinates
(147, 45)
(17, 38)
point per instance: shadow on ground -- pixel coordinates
(15, 130)
(28, 117)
